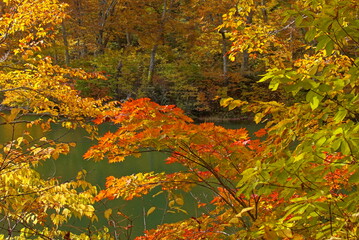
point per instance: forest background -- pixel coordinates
(174, 52)
(291, 65)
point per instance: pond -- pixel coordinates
(67, 166)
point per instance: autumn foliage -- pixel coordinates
(299, 180)
(255, 195)
(35, 93)
(296, 178)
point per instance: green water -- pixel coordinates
(66, 168)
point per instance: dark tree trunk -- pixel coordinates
(224, 55)
(117, 78)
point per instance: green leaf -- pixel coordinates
(355, 177)
(314, 99)
(322, 42)
(329, 48)
(291, 208)
(266, 77)
(336, 144)
(310, 35)
(299, 157)
(294, 89)
(337, 131)
(313, 70)
(321, 141)
(299, 199)
(247, 174)
(325, 23)
(324, 88)
(314, 102)
(340, 115)
(322, 206)
(273, 85)
(345, 148)
(298, 20)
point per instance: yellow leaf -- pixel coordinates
(94, 218)
(244, 210)
(55, 155)
(20, 140)
(179, 200)
(66, 212)
(231, 57)
(285, 233)
(13, 114)
(226, 101)
(235, 103)
(156, 194)
(81, 174)
(234, 220)
(270, 234)
(151, 210)
(107, 213)
(258, 117)
(298, 237)
(9, 118)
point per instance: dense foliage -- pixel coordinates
(299, 181)
(296, 179)
(171, 51)
(37, 93)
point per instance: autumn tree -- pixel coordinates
(146, 126)
(299, 180)
(313, 143)
(37, 93)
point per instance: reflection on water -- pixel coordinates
(66, 168)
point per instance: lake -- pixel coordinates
(67, 166)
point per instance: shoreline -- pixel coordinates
(224, 119)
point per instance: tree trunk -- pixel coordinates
(117, 78)
(105, 11)
(128, 38)
(224, 56)
(245, 55)
(151, 68)
(66, 44)
(245, 63)
(264, 11)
